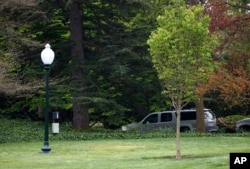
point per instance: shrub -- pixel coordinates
(228, 123)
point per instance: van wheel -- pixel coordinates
(184, 129)
(245, 128)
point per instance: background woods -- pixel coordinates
(103, 71)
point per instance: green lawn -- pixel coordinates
(197, 152)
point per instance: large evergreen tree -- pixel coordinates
(116, 76)
(80, 108)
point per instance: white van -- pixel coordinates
(167, 119)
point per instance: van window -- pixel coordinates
(188, 115)
(151, 119)
(165, 117)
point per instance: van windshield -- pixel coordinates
(153, 118)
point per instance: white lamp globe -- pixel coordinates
(47, 55)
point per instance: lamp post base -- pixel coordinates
(46, 149)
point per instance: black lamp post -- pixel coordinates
(47, 57)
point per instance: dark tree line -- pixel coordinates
(102, 70)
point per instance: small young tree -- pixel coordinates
(181, 50)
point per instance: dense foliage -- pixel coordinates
(121, 83)
(120, 80)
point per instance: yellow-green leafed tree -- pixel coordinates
(181, 49)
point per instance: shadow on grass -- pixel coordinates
(183, 157)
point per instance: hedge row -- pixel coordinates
(25, 130)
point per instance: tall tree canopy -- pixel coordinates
(117, 79)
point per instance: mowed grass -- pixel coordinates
(159, 153)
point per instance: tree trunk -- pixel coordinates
(178, 134)
(80, 109)
(200, 124)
